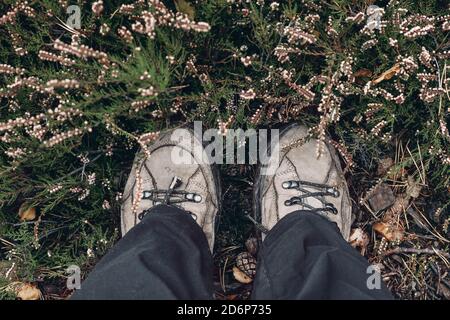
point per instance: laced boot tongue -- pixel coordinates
(176, 182)
(311, 195)
(169, 196)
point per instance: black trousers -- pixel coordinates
(166, 256)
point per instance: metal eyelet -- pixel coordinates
(193, 197)
(333, 191)
(290, 184)
(331, 207)
(142, 215)
(147, 195)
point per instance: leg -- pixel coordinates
(305, 256)
(305, 209)
(166, 256)
(164, 253)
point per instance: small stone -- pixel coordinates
(381, 198)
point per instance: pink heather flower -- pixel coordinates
(248, 95)
(246, 60)
(97, 7)
(201, 27)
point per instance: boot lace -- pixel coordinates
(169, 196)
(320, 191)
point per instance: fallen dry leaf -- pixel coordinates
(28, 291)
(231, 297)
(359, 239)
(389, 231)
(185, 7)
(240, 276)
(399, 206)
(27, 213)
(363, 73)
(7, 269)
(384, 165)
(444, 291)
(413, 189)
(388, 74)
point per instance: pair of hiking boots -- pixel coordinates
(300, 181)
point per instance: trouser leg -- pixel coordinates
(305, 257)
(166, 256)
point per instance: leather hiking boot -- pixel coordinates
(301, 181)
(177, 174)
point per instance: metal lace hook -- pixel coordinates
(176, 182)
